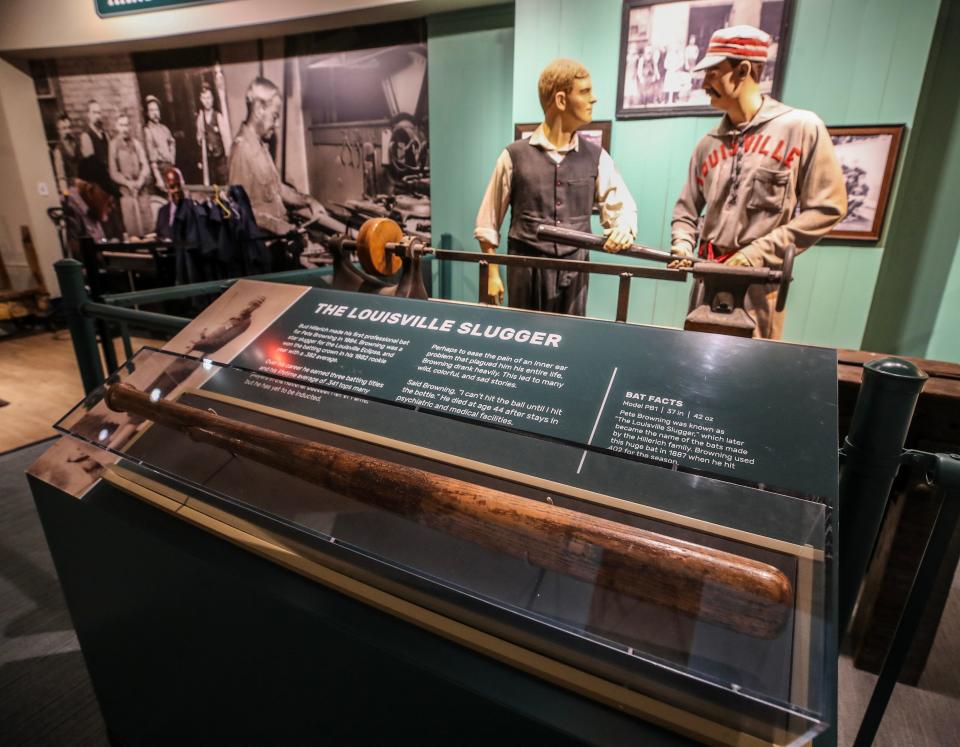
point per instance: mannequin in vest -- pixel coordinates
(555, 177)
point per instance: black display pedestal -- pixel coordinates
(188, 638)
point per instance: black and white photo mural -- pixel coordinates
(331, 125)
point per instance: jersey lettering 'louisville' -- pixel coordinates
(759, 144)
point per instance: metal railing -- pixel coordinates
(88, 318)
(873, 454)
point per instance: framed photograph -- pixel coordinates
(661, 42)
(868, 157)
(595, 132)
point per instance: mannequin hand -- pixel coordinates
(494, 282)
(684, 258)
(738, 260)
(618, 240)
(494, 287)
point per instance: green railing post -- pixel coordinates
(84, 338)
(91, 263)
(942, 472)
(127, 345)
(873, 452)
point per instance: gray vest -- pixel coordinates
(546, 192)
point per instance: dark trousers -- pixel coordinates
(219, 170)
(556, 291)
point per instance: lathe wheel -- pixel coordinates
(372, 240)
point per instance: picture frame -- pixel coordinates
(868, 157)
(661, 42)
(597, 132)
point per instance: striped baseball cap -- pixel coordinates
(738, 43)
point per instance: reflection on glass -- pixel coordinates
(678, 586)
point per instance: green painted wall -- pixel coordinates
(916, 307)
(470, 77)
(945, 340)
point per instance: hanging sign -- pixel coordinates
(107, 8)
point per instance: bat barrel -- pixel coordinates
(735, 592)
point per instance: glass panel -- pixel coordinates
(703, 593)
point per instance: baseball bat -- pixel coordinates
(722, 588)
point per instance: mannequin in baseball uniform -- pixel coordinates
(555, 178)
(763, 179)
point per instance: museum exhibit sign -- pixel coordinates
(107, 8)
(608, 508)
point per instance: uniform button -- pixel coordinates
(558, 203)
(558, 182)
(557, 222)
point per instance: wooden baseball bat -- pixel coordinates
(738, 593)
(572, 237)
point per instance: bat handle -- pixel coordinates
(571, 237)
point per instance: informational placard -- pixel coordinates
(107, 8)
(758, 412)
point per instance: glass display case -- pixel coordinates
(698, 603)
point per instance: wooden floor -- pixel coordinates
(40, 380)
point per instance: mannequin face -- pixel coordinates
(724, 82)
(153, 111)
(577, 105)
(206, 99)
(266, 114)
